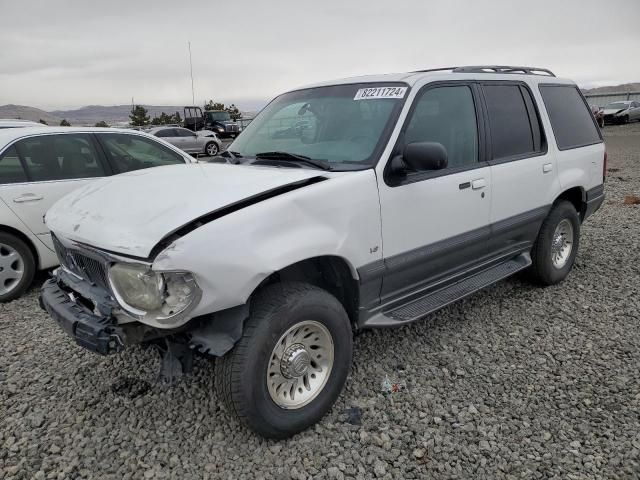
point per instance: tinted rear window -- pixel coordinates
(511, 112)
(571, 120)
(11, 170)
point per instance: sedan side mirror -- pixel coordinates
(425, 156)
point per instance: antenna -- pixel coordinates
(193, 96)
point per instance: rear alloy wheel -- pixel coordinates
(555, 249)
(211, 149)
(17, 267)
(291, 363)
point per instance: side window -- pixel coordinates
(572, 122)
(60, 157)
(183, 132)
(447, 115)
(513, 122)
(167, 132)
(11, 170)
(133, 152)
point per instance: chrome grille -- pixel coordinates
(89, 268)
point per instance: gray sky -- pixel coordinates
(64, 54)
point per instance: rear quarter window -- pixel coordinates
(571, 120)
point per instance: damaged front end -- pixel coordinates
(91, 295)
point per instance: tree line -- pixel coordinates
(139, 116)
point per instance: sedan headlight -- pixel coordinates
(162, 297)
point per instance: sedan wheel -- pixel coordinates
(11, 268)
(211, 149)
(17, 267)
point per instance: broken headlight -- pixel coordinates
(150, 295)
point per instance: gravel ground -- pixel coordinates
(514, 382)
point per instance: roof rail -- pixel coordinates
(492, 69)
(503, 69)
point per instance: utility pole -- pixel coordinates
(193, 96)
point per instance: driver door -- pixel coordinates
(435, 223)
(127, 152)
(190, 140)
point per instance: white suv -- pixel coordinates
(359, 203)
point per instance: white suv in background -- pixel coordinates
(38, 166)
(358, 203)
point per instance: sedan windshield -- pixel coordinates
(617, 106)
(343, 126)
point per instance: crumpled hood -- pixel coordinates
(132, 212)
(613, 111)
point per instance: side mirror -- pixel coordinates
(425, 156)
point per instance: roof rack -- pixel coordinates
(493, 69)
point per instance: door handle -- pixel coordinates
(28, 197)
(478, 183)
(547, 167)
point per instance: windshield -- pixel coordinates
(219, 116)
(342, 125)
(617, 105)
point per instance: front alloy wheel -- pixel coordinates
(300, 364)
(291, 363)
(211, 149)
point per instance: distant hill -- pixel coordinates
(28, 113)
(89, 115)
(627, 87)
(110, 114)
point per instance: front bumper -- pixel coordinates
(98, 333)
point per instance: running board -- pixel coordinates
(435, 300)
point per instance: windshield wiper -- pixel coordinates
(286, 156)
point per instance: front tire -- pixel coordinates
(291, 363)
(211, 149)
(556, 247)
(17, 267)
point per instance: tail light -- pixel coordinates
(604, 167)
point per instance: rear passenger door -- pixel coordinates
(44, 169)
(523, 172)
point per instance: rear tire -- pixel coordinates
(555, 249)
(17, 267)
(248, 376)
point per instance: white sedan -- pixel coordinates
(38, 166)
(203, 142)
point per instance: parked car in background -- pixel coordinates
(203, 142)
(598, 114)
(38, 166)
(622, 112)
(220, 122)
(401, 194)
(15, 123)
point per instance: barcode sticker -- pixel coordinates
(380, 92)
